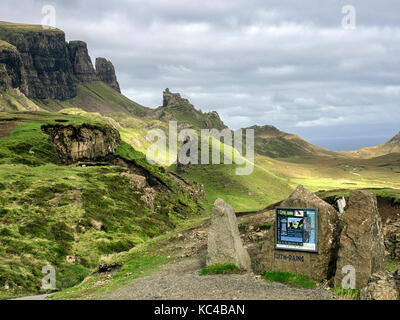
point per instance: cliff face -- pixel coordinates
(12, 72)
(45, 59)
(81, 62)
(43, 65)
(106, 73)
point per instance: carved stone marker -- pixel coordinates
(224, 243)
(318, 266)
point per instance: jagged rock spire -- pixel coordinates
(106, 72)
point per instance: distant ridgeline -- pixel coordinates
(42, 65)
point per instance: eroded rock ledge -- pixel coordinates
(83, 142)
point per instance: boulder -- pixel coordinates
(361, 240)
(391, 232)
(381, 286)
(318, 266)
(224, 243)
(137, 182)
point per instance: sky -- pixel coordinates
(287, 63)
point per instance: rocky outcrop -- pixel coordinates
(172, 99)
(44, 66)
(12, 72)
(106, 72)
(361, 241)
(391, 232)
(81, 62)
(381, 286)
(83, 142)
(176, 108)
(224, 243)
(319, 266)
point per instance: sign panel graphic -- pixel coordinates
(296, 229)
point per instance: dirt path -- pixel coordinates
(183, 282)
(38, 297)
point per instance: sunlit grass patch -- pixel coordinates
(347, 294)
(290, 278)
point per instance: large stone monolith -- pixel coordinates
(361, 241)
(224, 243)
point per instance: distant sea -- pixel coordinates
(347, 143)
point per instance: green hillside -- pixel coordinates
(14, 100)
(97, 97)
(20, 27)
(176, 108)
(71, 216)
(244, 193)
(392, 146)
(273, 143)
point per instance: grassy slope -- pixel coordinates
(186, 113)
(5, 45)
(274, 178)
(325, 173)
(19, 27)
(392, 146)
(144, 259)
(273, 143)
(47, 210)
(244, 193)
(14, 100)
(97, 97)
(302, 163)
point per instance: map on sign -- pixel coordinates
(296, 229)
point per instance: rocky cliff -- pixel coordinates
(43, 65)
(12, 73)
(106, 73)
(81, 62)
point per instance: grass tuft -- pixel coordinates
(265, 226)
(290, 278)
(346, 294)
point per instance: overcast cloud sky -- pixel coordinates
(286, 63)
